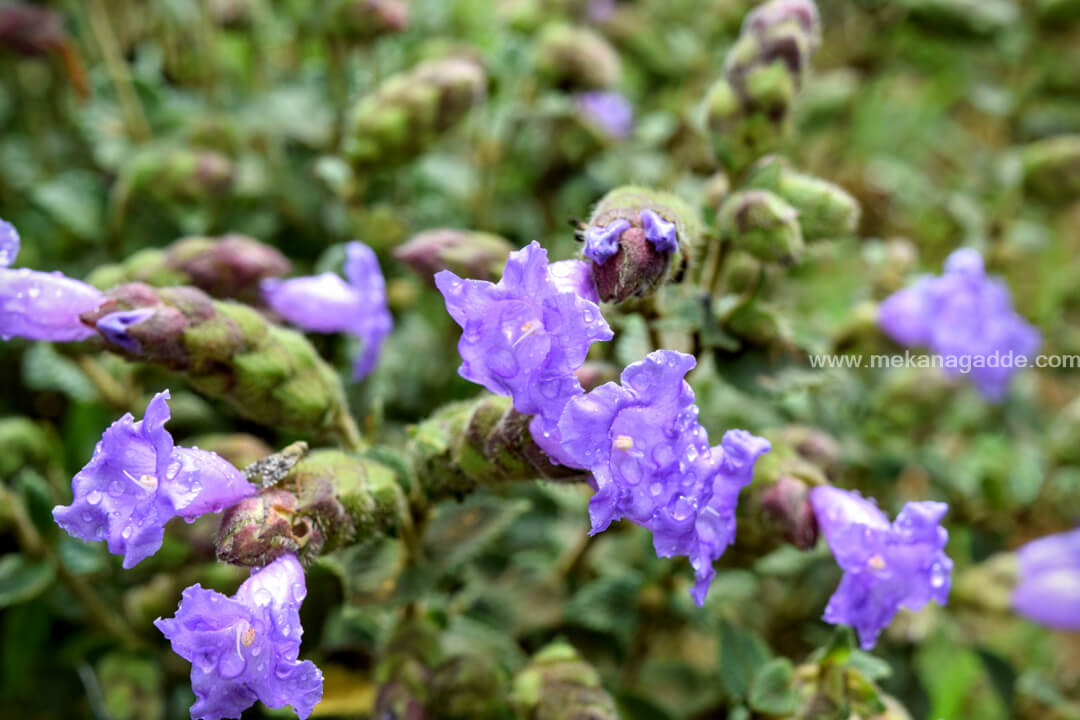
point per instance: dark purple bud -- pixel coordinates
(31, 29)
(229, 266)
(787, 504)
(114, 327)
(262, 528)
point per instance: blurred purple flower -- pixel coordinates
(327, 304)
(246, 648)
(1048, 591)
(609, 111)
(965, 317)
(37, 305)
(652, 464)
(137, 481)
(886, 566)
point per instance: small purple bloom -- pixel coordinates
(652, 464)
(886, 566)
(602, 241)
(659, 232)
(1048, 591)
(38, 305)
(609, 111)
(965, 317)
(114, 327)
(246, 647)
(327, 304)
(137, 481)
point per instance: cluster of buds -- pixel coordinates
(748, 110)
(825, 210)
(229, 351)
(410, 111)
(576, 58)
(638, 239)
(469, 253)
(230, 266)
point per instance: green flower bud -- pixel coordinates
(640, 263)
(825, 210)
(572, 57)
(1052, 168)
(229, 351)
(410, 111)
(468, 253)
(558, 684)
(762, 224)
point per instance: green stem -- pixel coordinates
(101, 28)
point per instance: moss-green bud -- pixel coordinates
(762, 224)
(558, 684)
(573, 57)
(825, 210)
(410, 111)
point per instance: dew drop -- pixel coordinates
(94, 497)
(263, 597)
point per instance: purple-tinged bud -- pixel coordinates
(228, 266)
(558, 684)
(31, 30)
(637, 240)
(787, 504)
(467, 253)
(259, 529)
(804, 13)
(114, 327)
(368, 19)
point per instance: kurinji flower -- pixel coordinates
(652, 463)
(245, 647)
(114, 327)
(886, 566)
(137, 481)
(659, 231)
(38, 305)
(327, 304)
(609, 111)
(965, 317)
(602, 241)
(1048, 591)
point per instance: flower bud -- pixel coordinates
(468, 253)
(762, 224)
(558, 684)
(787, 504)
(637, 240)
(31, 30)
(571, 57)
(825, 209)
(258, 530)
(1052, 168)
(468, 687)
(410, 111)
(367, 19)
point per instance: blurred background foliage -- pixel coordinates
(128, 124)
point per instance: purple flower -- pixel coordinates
(525, 335)
(609, 111)
(245, 647)
(137, 481)
(114, 327)
(1048, 591)
(886, 566)
(652, 464)
(602, 241)
(965, 317)
(327, 304)
(659, 231)
(41, 306)
(574, 276)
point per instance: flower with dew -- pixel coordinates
(1048, 587)
(138, 480)
(526, 335)
(246, 647)
(38, 305)
(886, 565)
(967, 318)
(652, 464)
(326, 303)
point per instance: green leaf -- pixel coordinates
(874, 668)
(607, 604)
(460, 531)
(43, 368)
(22, 579)
(742, 654)
(772, 691)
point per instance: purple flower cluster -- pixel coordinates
(38, 305)
(328, 304)
(886, 566)
(609, 111)
(526, 335)
(138, 480)
(652, 464)
(246, 647)
(1048, 591)
(602, 241)
(967, 318)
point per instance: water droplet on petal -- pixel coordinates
(94, 497)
